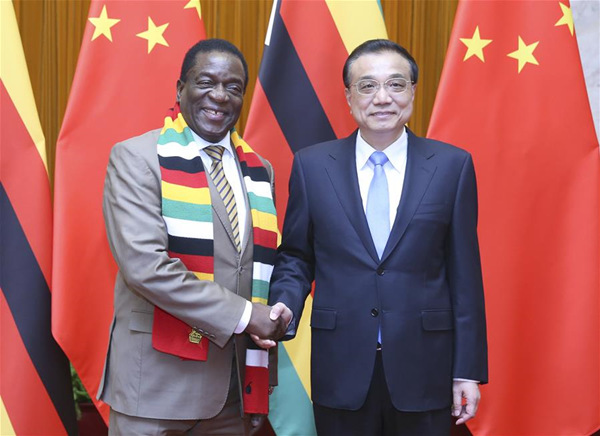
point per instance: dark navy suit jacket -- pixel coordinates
(426, 292)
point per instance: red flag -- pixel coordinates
(35, 388)
(126, 76)
(512, 93)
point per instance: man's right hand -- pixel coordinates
(262, 326)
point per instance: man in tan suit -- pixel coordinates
(157, 392)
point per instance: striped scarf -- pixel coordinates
(187, 212)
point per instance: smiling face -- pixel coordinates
(381, 116)
(212, 95)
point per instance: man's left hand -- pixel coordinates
(469, 391)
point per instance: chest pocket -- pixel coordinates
(432, 212)
(323, 319)
(141, 321)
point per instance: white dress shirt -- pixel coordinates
(394, 168)
(234, 178)
(231, 173)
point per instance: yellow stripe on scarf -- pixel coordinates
(205, 276)
(178, 124)
(185, 194)
(264, 221)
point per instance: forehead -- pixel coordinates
(380, 66)
(217, 63)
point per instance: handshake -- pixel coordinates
(268, 324)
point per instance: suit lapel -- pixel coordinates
(341, 169)
(419, 172)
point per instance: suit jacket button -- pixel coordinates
(380, 271)
(374, 312)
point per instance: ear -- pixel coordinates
(348, 96)
(180, 86)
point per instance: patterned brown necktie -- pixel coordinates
(220, 181)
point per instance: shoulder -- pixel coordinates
(141, 144)
(265, 163)
(322, 149)
(432, 147)
(139, 151)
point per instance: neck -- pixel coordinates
(381, 141)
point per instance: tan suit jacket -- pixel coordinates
(137, 379)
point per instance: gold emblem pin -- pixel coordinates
(195, 336)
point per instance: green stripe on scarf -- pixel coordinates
(187, 211)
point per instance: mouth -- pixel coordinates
(214, 113)
(383, 114)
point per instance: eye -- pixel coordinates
(396, 85)
(235, 88)
(366, 85)
(205, 84)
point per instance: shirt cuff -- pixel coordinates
(466, 380)
(245, 320)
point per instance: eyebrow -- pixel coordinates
(212, 76)
(392, 76)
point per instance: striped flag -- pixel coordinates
(512, 93)
(35, 383)
(128, 66)
(298, 101)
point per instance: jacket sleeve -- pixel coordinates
(465, 280)
(294, 269)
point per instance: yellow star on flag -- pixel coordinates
(475, 45)
(194, 4)
(102, 24)
(524, 54)
(154, 34)
(567, 18)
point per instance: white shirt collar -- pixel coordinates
(395, 152)
(225, 142)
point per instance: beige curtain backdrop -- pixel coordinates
(51, 31)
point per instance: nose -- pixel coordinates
(382, 95)
(218, 92)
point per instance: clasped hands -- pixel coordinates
(268, 324)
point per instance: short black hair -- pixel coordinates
(211, 45)
(378, 46)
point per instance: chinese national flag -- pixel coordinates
(512, 93)
(125, 80)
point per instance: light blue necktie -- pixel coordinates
(378, 203)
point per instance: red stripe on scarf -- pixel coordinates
(177, 177)
(201, 264)
(265, 238)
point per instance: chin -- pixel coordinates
(387, 127)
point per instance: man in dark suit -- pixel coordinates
(179, 213)
(385, 223)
